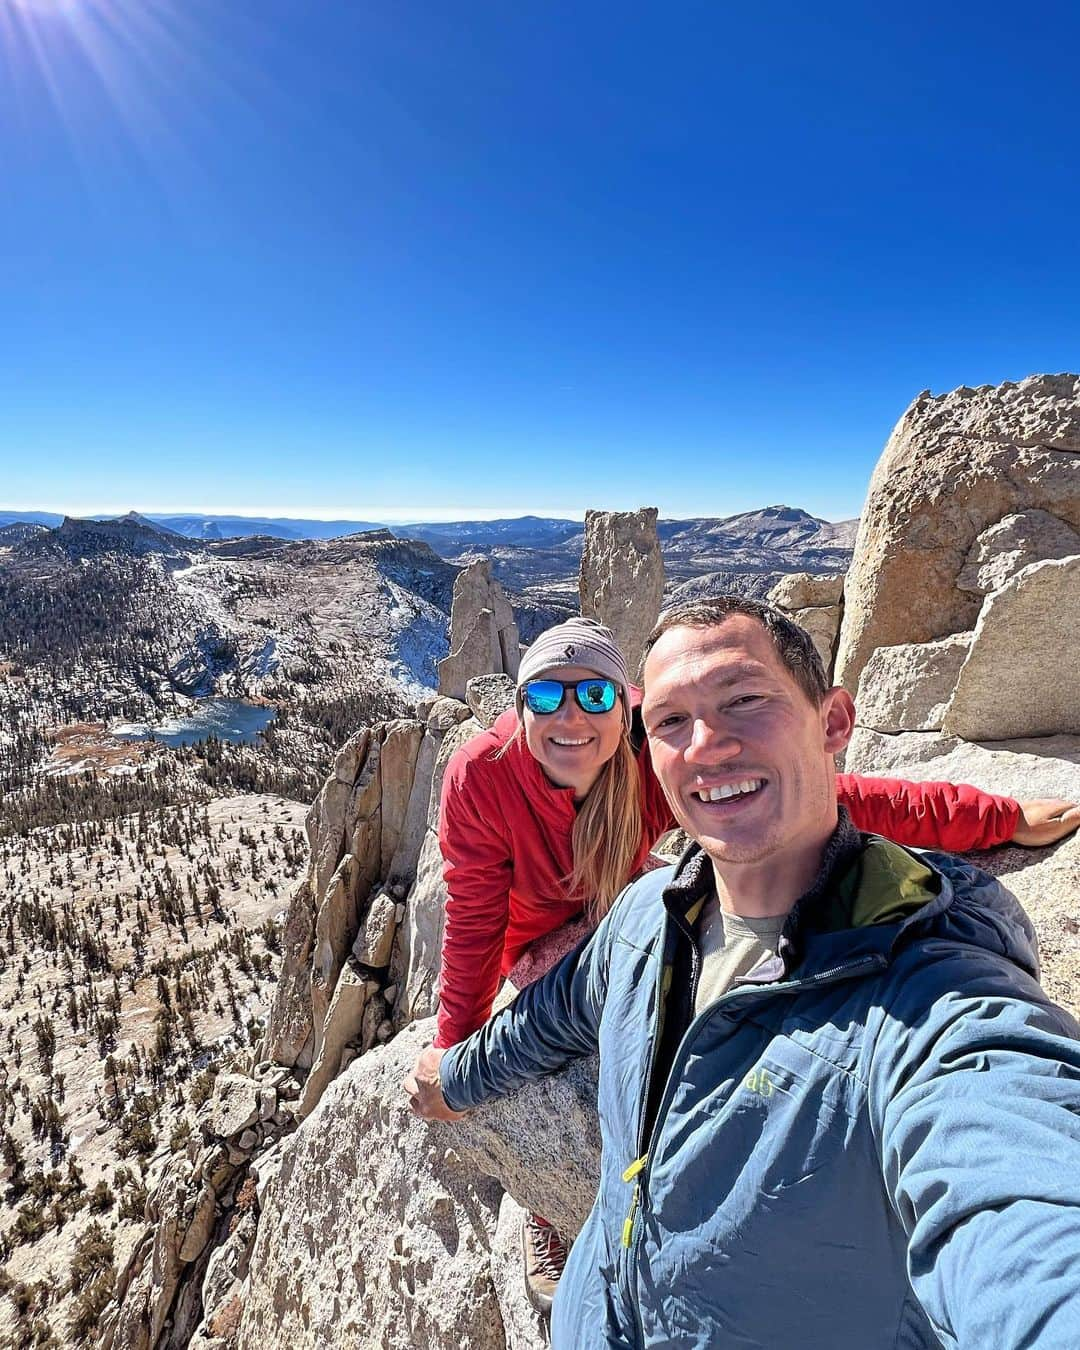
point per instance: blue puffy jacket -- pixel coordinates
(872, 1144)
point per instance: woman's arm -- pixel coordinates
(477, 868)
(953, 816)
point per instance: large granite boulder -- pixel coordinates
(621, 582)
(908, 687)
(805, 590)
(1047, 884)
(489, 696)
(378, 1228)
(375, 1231)
(1044, 766)
(822, 624)
(1020, 676)
(954, 466)
(1046, 881)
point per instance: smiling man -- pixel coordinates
(838, 1111)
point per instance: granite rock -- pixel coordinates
(489, 696)
(908, 687)
(483, 633)
(376, 1230)
(1012, 544)
(1020, 676)
(954, 466)
(621, 582)
(804, 590)
(823, 625)
(234, 1104)
(414, 966)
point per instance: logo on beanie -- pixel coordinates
(568, 654)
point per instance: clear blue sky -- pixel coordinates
(327, 257)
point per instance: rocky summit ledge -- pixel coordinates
(383, 1230)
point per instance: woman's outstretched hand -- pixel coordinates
(1045, 820)
(424, 1088)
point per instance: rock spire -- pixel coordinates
(621, 582)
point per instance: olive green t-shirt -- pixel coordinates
(730, 946)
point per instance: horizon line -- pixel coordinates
(376, 516)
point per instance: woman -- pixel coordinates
(549, 814)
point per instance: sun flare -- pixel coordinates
(109, 72)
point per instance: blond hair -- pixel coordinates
(607, 830)
(607, 833)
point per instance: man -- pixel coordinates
(838, 1111)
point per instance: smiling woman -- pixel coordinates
(574, 738)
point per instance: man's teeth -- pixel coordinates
(719, 794)
(565, 740)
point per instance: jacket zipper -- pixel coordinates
(633, 1172)
(661, 997)
(637, 1172)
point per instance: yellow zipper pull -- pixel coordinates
(635, 1167)
(631, 1172)
(628, 1224)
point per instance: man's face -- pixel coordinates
(743, 755)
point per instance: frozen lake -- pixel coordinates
(226, 718)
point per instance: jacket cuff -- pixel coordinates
(450, 1079)
(1010, 818)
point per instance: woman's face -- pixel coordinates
(571, 745)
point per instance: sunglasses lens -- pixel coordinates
(543, 696)
(596, 696)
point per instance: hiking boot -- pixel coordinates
(545, 1257)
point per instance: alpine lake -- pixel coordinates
(227, 719)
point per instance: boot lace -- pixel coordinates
(549, 1249)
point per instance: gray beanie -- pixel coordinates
(577, 642)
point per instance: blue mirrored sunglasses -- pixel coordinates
(593, 695)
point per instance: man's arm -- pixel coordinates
(975, 1104)
(553, 1021)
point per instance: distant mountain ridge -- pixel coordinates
(771, 526)
(131, 534)
(536, 558)
(453, 537)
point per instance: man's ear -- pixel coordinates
(838, 716)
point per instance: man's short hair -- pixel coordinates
(793, 644)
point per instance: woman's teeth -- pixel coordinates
(565, 740)
(719, 794)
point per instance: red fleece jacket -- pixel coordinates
(505, 833)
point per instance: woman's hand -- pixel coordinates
(424, 1088)
(1045, 820)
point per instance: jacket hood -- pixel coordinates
(874, 897)
(975, 909)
